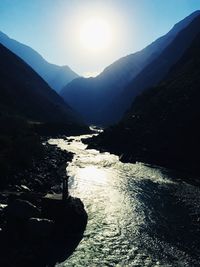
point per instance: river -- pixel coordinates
(139, 215)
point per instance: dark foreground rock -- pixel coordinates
(21, 210)
(43, 240)
(37, 226)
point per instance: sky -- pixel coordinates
(58, 29)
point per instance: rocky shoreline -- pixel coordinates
(45, 172)
(38, 227)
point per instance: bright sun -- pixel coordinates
(96, 34)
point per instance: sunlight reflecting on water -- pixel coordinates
(93, 174)
(127, 206)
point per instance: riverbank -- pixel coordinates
(123, 147)
(33, 231)
(45, 173)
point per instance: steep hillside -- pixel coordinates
(56, 76)
(158, 68)
(98, 99)
(28, 106)
(24, 93)
(163, 124)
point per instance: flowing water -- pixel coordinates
(138, 215)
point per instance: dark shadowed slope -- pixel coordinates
(95, 98)
(163, 124)
(28, 106)
(23, 92)
(55, 76)
(156, 71)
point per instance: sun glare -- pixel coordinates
(95, 34)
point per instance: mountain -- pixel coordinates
(162, 126)
(98, 99)
(28, 108)
(159, 67)
(24, 93)
(56, 76)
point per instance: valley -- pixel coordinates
(104, 170)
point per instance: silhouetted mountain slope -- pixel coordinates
(163, 124)
(56, 76)
(28, 106)
(157, 69)
(23, 92)
(98, 99)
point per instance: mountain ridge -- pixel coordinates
(56, 76)
(24, 93)
(94, 97)
(157, 69)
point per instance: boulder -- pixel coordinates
(69, 215)
(40, 228)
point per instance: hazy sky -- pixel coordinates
(52, 27)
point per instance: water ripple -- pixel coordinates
(137, 213)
